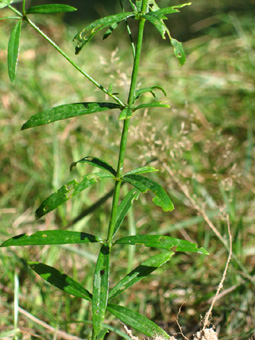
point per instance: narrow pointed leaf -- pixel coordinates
(153, 5)
(163, 242)
(50, 8)
(144, 184)
(7, 18)
(135, 7)
(97, 162)
(137, 321)
(149, 105)
(110, 30)
(157, 17)
(4, 3)
(87, 33)
(67, 111)
(69, 190)
(139, 273)
(60, 280)
(13, 51)
(143, 170)
(125, 113)
(100, 289)
(178, 51)
(160, 13)
(158, 23)
(150, 89)
(49, 237)
(124, 206)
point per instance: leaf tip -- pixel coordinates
(202, 251)
(23, 127)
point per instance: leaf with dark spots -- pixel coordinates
(67, 111)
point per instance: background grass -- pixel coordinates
(207, 138)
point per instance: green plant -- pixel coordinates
(101, 296)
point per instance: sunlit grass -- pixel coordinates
(206, 137)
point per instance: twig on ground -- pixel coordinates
(223, 293)
(129, 332)
(178, 324)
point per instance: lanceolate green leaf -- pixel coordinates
(69, 190)
(50, 8)
(168, 10)
(144, 184)
(143, 170)
(158, 23)
(139, 273)
(110, 30)
(157, 17)
(67, 111)
(178, 50)
(150, 89)
(138, 5)
(153, 5)
(149, 105)
(60, 280)
(87, 33)
(163, 242)
(100, 289)
(124, 207)
(9, 18)
(137, 321)
(48, 237)
(97, 162)
(13, 51)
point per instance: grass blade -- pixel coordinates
(100, 289)
(137, 321)
(13, 51)
(67, 111)
(69, 190)
(163, 242)
(97, 162)
(140, 272)
(48, 237)
(144, 184)
(60, 280)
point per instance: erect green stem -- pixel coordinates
(24, 7)
(123, 143)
